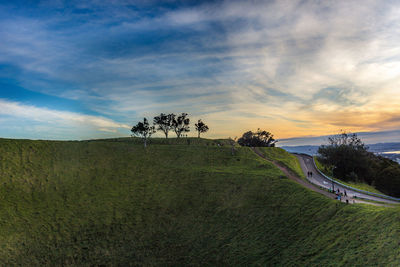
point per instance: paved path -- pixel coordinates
(307, 164)
(317, 181)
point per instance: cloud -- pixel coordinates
(289, 66)
(74, 125)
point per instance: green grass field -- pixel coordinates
(284, 158)
(176, 203)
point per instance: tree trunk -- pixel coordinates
(145, 142)
(166, 134)
(198, 135)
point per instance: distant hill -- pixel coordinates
(367, 137)
(178, 202)
(310, 150)
(384, 147)
(380, 148)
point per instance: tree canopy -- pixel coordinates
(351, 161)
(143, 130)
(260, 138)
(180, 124)
(164, 122)
(348, 154)
(201, 127)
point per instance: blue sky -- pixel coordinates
(91, 69)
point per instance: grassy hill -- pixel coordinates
(283, 158)
(111, 202)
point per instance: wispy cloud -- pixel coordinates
(293, 67)
(69, 125)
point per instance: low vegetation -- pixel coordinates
(176, 202)
(352, 162)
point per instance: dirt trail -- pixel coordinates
(293, 177)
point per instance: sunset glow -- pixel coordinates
(294, 68)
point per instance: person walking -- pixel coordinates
(345, 193)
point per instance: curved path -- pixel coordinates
(307, 165)
(318, 181)
(294, 177)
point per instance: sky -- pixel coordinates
(368, 138)
(92, 69)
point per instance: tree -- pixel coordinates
(201, 127)
(258, 139)
(351, 161)
(347, 139)
(349, 157)
(180, 124)
(389, 180)
(143, 130)
(164, 122)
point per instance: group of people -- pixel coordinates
(339, 195)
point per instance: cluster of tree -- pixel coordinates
(166, 123)
(351, 161)
(260, 138)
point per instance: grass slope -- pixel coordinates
(284, 158)
(114, 203)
